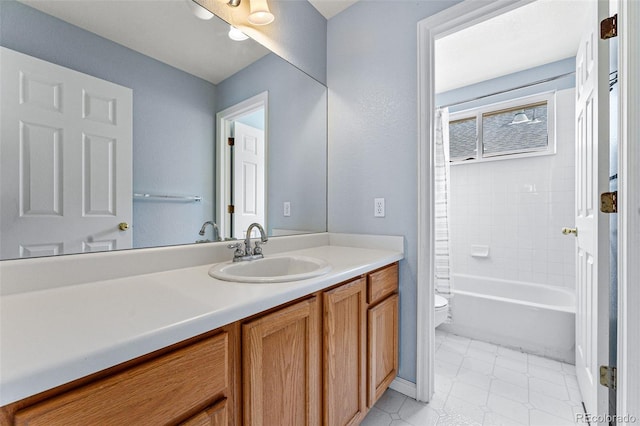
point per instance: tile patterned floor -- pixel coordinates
(478, 383)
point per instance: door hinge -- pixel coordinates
(609, 376)
(231, 209)
(231, 141)
(609, 27)
(609, 202)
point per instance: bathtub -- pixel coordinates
(534, 318)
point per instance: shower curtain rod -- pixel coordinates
(524, 86)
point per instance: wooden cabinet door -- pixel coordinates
(216, 415)
(383, 347)
(344, 354)
(281, 367)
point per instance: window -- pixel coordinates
(523, 127)
(464, 133)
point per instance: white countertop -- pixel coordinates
(53, 336)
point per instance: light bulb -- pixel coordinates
(199, 11)
(236, 34)
(260, 13)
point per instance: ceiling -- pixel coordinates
(330, 8)
(538, 33)
(167, 31)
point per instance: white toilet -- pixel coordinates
(442, 309)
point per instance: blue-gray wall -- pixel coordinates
(299, 36)
(296, 140)
(173, 118)
(372, 80)
(510, 81)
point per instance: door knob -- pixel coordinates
(567, 231)
(123, 226)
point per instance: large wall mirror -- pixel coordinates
(131, 124)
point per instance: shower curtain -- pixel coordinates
(442, 198)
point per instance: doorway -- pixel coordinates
(241, 166)
(448, 22)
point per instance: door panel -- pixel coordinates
(72, 184)
(592, 166)
(249, 179)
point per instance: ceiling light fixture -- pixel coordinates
(199, 11)
(260, 13)
(519, 118)
(236, 35)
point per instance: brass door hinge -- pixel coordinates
(609, 202)
(609, 376)
(609, 27)
(231, 209)
(231, 141)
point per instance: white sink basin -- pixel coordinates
(271, 269)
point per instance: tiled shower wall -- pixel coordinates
(517, 207)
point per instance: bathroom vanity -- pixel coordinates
(177, 346)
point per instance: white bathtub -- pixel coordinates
(534, 318)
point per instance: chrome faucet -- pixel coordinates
(247, 240)
(216, 230)
(248, 253)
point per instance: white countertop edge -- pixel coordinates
(85, 363)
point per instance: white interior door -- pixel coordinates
(248, 179)
(592, 167)
(65, 157)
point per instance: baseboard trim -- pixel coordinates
(403, 386)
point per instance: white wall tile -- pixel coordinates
(518, 208)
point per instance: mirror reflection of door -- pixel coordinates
(248, 173)
(63, 132)
(241, 158)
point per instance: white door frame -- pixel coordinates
(455, 18)
(628, 394)
(468, 13)
(224, 119)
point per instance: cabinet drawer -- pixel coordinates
(157, 392)
(382, 283)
